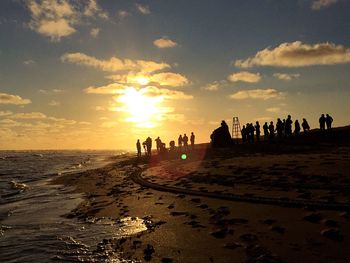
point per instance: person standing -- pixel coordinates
(322, 121)
(192, 138)
(138, 147)
(185, 141)
(158, 144)
(296, 128)
(266, 131)
(257, 131)
(305, 125)
(329, 121)
(288, 127)
(271, 131)
(179, 141)
(149, 146)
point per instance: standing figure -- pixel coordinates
(251, 132)
(244, 133)
(266, 131)
(329, 121)
(138, 147)
(192, 138)
(271, 131)
(322, 121)
(296, 128)
(158, 144)
(149, 146)
(305, 125)
(185, 141)
(288, 127)
(257, 131)
(179, 141)
(279, 128)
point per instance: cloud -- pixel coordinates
(5, 113)
(286, 76)
(320, 4)
(57, 19)
(109, 124)
(94, 32)
(122, 14)
(29, 62)
(114, 88)
(169, 79)
(56, 91)
(143, 9)
(297, 54)
(244, 76)
(114, 64)
(165, 93)
(273, 109)
(214, 86)
(13, 99)
(164, 42)
(28, 115)
(264, 94)
(54, 103)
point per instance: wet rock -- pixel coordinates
(171, 206)
(195, 200)
(203, 206)
(136, 243)
(148, 251)
(332, 233)
(236, 221)
(313, 217)
(248, 238)
(278, 229)
(330, 223)
(175, 213)
(180, 196)
(219, 233)
(269, 221)
(166, 260)
(232, 246)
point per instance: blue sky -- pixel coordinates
(69, 68)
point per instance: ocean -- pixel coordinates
(32, 225)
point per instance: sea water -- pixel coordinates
(32, 225)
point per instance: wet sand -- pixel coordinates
(281, 202)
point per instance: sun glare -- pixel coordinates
(141, 109)
(142, 80)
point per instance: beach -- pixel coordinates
(286, 201)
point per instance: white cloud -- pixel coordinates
(264, 94)
(164, 42)
(214, 86)
(13, 99)
(29, 62)
(273, 109)
(54, 103)
(143, 9)
(57, 19)
(114, 88)
(94, 32)
(286, 76)
(297, 54)
(165, 93)
(320, 4)
(114, 64)
(28, 115)
(122, 14)
(5, 113)
(169, 79)
(244, 76)
(56, 91)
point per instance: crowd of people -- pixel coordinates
(161, 147)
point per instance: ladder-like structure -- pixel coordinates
(236, 129)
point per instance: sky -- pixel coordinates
(100, 74)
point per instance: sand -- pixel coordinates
(282, 202)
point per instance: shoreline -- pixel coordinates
(188, 228)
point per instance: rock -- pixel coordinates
(203, 206)
(330, 223)
(313, 217)
(248, 238)
(195, 200)
(232, 245)
(234, 221)
(269, 221)
(148, 251)
(166, 260)
(219, 233)
(278, 229)
(332, 233)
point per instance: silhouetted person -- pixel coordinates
(158, 144)
(271, 131)
(192, 138)
(251, 132)
(288, 127)
(247, 132)
(257, 131)
(221, 136)
(284, 127)
(305, 125)
(322, 121)
(279, 128)
(266, 131)
(185, 141)
(244, 133)
(329, 121)
(172, 146)
(149, 146)
(138, 147)
(179, 141)
(297, 128)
